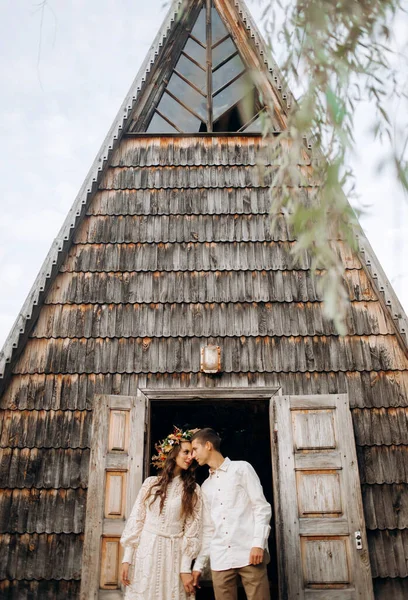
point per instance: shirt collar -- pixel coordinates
(223, 466)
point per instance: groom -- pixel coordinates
(235, 522)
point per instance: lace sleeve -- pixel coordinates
(208, 532)
(133, 528)
(192, 535)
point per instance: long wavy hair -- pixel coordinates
(189, 497)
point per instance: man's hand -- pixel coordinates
(187, 580)
(125, 574)
(196, 579)
(256, 556)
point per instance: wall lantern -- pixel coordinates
(210, 359)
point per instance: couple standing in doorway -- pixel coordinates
(175, 523)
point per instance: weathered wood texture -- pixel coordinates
(318, 499)
(20, 589)
(156, 272)
(117, 438)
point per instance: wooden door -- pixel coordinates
(115, 477)
(321, 540)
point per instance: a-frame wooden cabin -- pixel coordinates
(168, 249)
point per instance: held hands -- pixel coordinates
(187, 580)
(256, 556)
(196, 579)
(124, 576)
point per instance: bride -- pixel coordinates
(163, 533)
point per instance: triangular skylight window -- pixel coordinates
(210, 88)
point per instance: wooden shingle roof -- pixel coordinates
(131, 307)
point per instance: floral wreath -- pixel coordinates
(164, 447)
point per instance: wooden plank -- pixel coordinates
(313, 402)
(120, 402)
(333, 594)
(117, 461)
(324, 526)
(285, 507)
(209, 66)
(278, 509)
(163, 67)
(111, 595)
(363, 579)
(136, 449)
(147, 444)
(326, 460)
(113, 527)
(251, 58)
(94, 505)
(218, 393)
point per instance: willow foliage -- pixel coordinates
(337, 54)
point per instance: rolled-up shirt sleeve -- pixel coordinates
(261, 508)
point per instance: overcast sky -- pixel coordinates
(64, 72)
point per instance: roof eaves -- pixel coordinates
(61, 243)
(384, 287)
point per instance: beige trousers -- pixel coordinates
(254, 579)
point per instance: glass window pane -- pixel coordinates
(227, 72)
(159, 125)
(196, 51)
(199, 29)
(230, 96)
(255, 126)
(178, 115)
(192, 73)
(223, 51)
(218, 28)
(188, 95)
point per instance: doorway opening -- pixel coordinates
(243, 426)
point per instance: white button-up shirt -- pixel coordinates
(236, 516)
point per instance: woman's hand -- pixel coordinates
(125, 574)
(196, 579)
(187, 580)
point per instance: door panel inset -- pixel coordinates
(118, 430)
(319, 493)
(110, 563)
(115, 489)
(313, 429)
(325, 561)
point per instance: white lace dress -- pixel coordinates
(160, 546)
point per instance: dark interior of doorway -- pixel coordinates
(245, 433)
